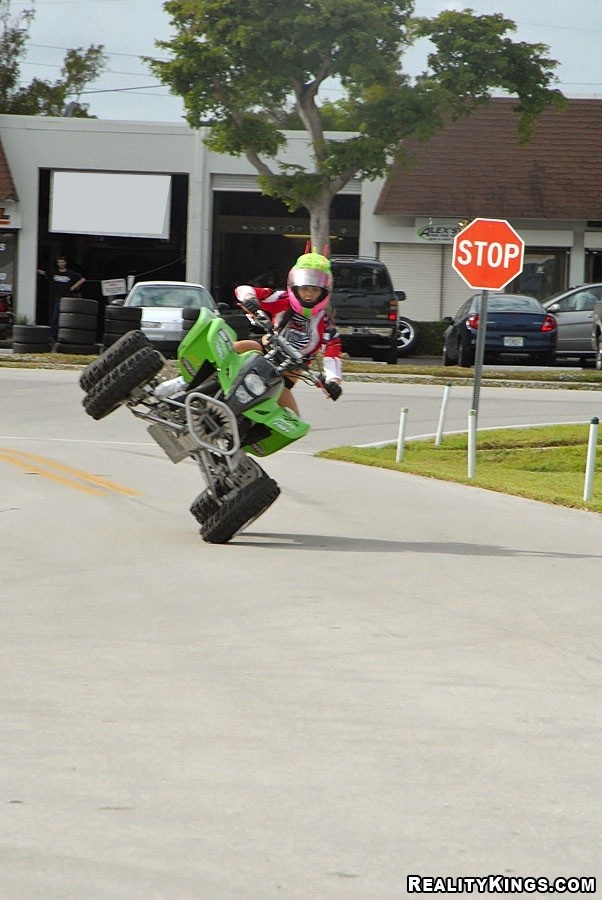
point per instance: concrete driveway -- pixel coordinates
(385, 676)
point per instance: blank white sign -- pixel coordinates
(110, 203)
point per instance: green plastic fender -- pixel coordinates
(211, 340)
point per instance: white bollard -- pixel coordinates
(472, 442)
(590, 465)
(401, 435)
(439, 435)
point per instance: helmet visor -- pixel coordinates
(311, 278)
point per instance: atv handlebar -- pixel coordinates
(285, 356)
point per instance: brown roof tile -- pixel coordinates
(7, 186)
(476, 167)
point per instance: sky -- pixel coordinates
(128, 30)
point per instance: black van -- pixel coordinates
(366, 308)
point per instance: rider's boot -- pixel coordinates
(171, 387)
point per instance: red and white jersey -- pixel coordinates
(307, 335)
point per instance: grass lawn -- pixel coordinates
(542, 463)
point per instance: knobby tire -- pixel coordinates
(116, 386)
(238, 509)
(126, 346)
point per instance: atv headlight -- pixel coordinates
(255, 384)
(242, 395)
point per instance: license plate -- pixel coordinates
(514, 341)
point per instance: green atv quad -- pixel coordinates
(223, 413)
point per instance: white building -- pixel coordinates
(205, 220)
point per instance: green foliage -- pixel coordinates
(430, 338)
(42, 98)
(474, 55)
(543, 463)
(252, 69)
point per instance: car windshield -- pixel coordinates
(360, 278)
(513, 303)
(171, 297)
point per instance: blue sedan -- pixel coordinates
(517, 325)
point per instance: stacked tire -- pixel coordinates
(78, 319)
(189, 317)
(31, 339)
(118, 321)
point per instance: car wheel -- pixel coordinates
(599, 353)
(387, 355)
(465, 356)
(407, 337)
(447, 359)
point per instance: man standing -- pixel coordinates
(64, 282)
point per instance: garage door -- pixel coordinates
(425, 273)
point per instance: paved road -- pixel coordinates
(385, 676)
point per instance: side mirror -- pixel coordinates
(401, 295)
(117, 301)
(555, 307)
(447, 320)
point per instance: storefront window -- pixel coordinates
(593, 265)
(544, 273)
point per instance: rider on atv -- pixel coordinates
(300, 315)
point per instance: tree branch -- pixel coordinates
(339, 181)
(309, 114)
(254, 158)
(256, 161)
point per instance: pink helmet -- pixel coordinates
(310, 270)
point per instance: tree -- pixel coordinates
(250, 69)
(42, 98)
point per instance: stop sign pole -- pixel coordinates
(488, 254)
(479, 353)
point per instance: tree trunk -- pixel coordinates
(319, 223)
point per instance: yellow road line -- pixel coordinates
(21, 459)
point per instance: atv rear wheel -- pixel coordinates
(239, 508)
(116, 386)
(124, 347)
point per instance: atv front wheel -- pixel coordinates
(116, 386)
(239, 508)
(203, 506)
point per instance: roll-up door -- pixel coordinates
(417, 271)
(455, 289)
(425, 273)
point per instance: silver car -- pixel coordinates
(573, 310)
(162, 303)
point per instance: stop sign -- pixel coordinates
(488, 254)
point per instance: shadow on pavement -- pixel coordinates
(369, 545)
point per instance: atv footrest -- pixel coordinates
(172, 447)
